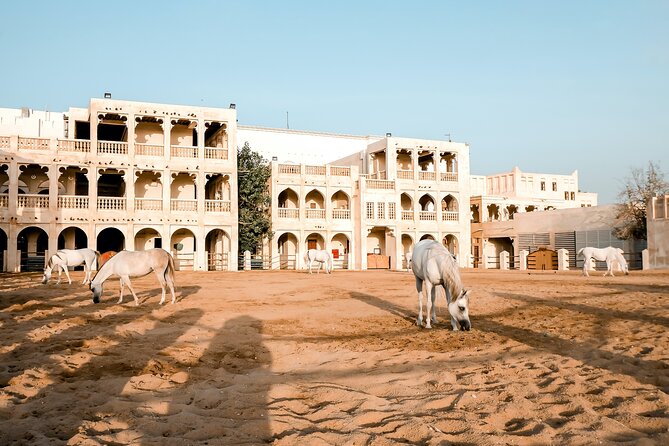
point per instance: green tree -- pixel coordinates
(638, 189)
(253, 174)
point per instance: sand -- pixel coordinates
(289, 358)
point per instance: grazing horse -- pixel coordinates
(127, 264)
(610, 254)
(433, 265)
(71, 257)
(321, 256)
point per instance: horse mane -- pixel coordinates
(450, 274)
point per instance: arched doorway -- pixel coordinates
(450, 242)
(3, 251)
(183, 249)
(288, 248)
(340, 248)
(427, 237)
(110, 239)
(33, 243)
(407, 248)
(148, 238)
(217, 245)
(72, 238)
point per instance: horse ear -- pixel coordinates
(466, 294)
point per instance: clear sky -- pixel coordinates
(549, 86)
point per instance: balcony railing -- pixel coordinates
(289, 168)
(33, 143)
(427, 216)
(184, 151)
(429, 176)
(4, 142)
(217, 206)
(72, 202)
(405, 174)
(143, 149)
(407, 215)
(315, 213)
(341, 214)
(74, 145)
(149, 204)
(340, 171)
(449, 215)
(380, 184)
(289, 213)
(215, 153)
(449, 176)
(314, 170)
(113, 147)
(181, 205)
(4, 200)
(33, 201)
(111, 203)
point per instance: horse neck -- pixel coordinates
(451, 277)
(103, 273)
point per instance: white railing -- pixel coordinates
(430, 176)
(449, 176)
(113, 147)
(215, 153)
(314, 170)
(184, 152)
(427, 216)
(380, 184)
(405, 174)
(449, 215)
(341, 214)
(4, 200)
(74, 145)
(340, 171)
(72, 202)
(33, 201)
(149, 204)
(181, 205)
(315, 213)
(144, 149)
(289, 213)
(4, 142)
(407, 215)
(33, 144)
(289, 168)
(216, 206)
(111, 203)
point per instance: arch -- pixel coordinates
(426, 202)
(4, 179)
(449, 203)
(147, 238)
(314, 241)
(33, 243)
(3, 247)
(111, 183)
(340, 246)
(289, 199)
(110, 239)
(33, 176)
(340, 200)
(475, 215)
(72, 237)
(217, 187)
(450, 242)
(183, 247)
(288, 249)
(314, 200)
(183, 186)
(148, 184)
(407, 248)
(427, 237)
(493, 212)
(406, 202)
(217, 244)
(73, 181)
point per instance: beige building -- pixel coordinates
(119, 175)
(658, 232)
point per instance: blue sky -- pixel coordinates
(549, 86)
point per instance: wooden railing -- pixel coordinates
(74, 145)
(216, 205)
(289, 213)
(215, 153)
(184, 151)
(143, 149)
(72, 202)
(33, 201)
(113, 147)
(111, 203)
(33, 143)
(341, 214)
(149, 204)
(181, 205)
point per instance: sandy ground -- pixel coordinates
(293, 359)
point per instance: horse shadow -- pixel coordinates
(391, 308)
(180, 292)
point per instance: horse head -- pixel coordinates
(459, 309)
(47, 275)
(97, 292)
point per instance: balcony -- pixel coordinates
(315, 214)
(33, 143)
(4, 200)
(217, 206)
(427, 216)
(380, 184)
(111, 203)
(181, 205)
(289, 213)
(183, 152)
(142, 149)
(74, 145)
(340, 171)
(449, 176)
(112, 147)
(292, 169)
(148, 204)
(72, 202)
(4, 142)
(407, 215)
(449, 215)
(35, 201)
(215, 153)
(341, 214)
(405, 174)
(314, 170)
(427, 176)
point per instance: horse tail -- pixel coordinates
(169, 270)
(580, 252)
(97, 259)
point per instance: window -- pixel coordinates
(391, 211)
(573, 195)
(370, 210)
(554, 186)
(380, 210)
(543, 185)
(566, 195)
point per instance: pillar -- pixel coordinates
(523, 260)
(563, 259)
(504, 260)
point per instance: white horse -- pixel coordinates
(433, 265)
(71, 257)
(127, 264)
(610, 254)
(321, 256)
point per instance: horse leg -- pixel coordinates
(454, 323)
(161, 280)
(433, 298)
(431, 292)
(67, 274)
(419, 288)
(120, 297)
(609, 268)
(87, 274)
(586, 262)
(126, 279)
